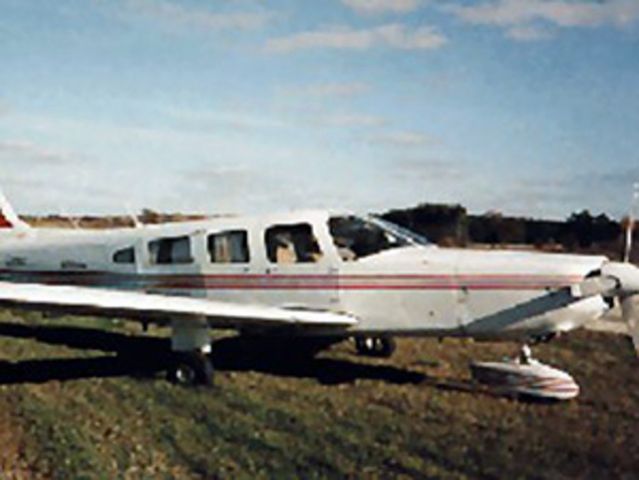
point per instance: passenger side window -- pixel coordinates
(126, 255)
(286, 244)
(229, 247)
(167, 251)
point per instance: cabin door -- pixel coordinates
(300, 268)
(228, 264)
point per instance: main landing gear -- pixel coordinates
(382, 347)
(190, 369)
(189, 363)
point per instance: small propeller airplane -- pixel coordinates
(304, 275)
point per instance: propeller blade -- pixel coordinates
(630, 228)
(630, 312)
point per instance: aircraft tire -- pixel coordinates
(190, 369)
(382, 347)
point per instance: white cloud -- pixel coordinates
(237, 124)
(5, 109)
(330, 89)
(527, 33)
(246, 171)
(348, 120)
(238, 120)
(562, 13)
(179, 15)
(391, 35)
(211, 173)
(21, 151)
(409, 181)
(382, 6)
(252, 190)
(429, 170)
(404, 139)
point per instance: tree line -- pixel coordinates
(452, 225)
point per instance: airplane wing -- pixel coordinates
(161, 309)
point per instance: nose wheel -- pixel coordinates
(382, 347)
(190, 369)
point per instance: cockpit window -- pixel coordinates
(413, 238)
(357, 237)
(292, 244)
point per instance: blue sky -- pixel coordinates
(529, 107)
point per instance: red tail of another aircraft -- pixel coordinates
(8, 218)
(4, 223)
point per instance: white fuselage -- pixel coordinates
(410, 289)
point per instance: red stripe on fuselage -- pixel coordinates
(352, 287)
(299, 282)
(270, 276)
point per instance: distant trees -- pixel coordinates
(148, 217)
(494, 228)
(451, 225)
(444, 224)
(584, 230)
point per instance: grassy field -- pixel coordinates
(81, 398)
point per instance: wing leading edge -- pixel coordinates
(161, 309)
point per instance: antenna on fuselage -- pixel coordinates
(137, 223)
(630, 227)
(75, 222)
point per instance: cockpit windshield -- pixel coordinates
(358, 237)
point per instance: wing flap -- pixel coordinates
(159, 308)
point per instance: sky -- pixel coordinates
(527, 107)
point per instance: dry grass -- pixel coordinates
(71, 408)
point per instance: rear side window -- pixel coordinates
(126, 255)
(229, 247)
(169, 251)
(292, 244)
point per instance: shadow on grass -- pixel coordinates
(126, 355)
(142, 356)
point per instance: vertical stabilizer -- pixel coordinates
(8, 218)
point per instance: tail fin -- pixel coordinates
(8, 218)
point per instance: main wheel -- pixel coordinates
(375, 346)
(190, 369)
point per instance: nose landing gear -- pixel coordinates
(525, 377)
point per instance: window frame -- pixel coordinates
(156, 258)
(228, 233)
(359, 246)
(124, 250)
(307, 258)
